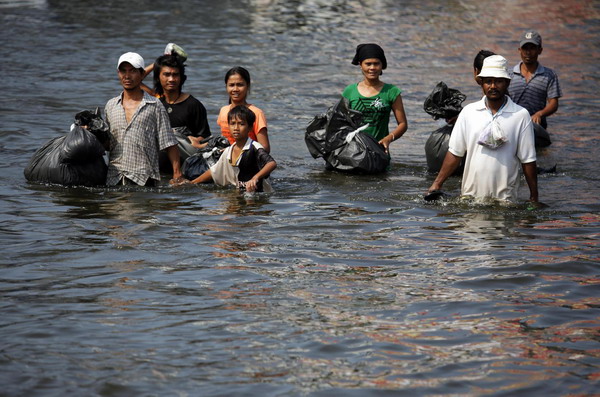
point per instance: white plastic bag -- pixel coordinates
(492, 136)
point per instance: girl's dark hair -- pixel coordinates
(245, 74)
(481, 55)
(172, 61)
(243, 113)
(238, 70)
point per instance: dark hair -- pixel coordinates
(172, 61)
(243, 113)
(478, 61)
(238, 70)
(244, 74)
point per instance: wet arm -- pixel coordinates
(400, 115)
(262, 174)
(147, 71)
(550, 108)
(204, 178)
(451, 163)
(195, 141)
(173, 153)
(263, 138)
(530, 172)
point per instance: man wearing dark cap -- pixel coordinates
(534, 86)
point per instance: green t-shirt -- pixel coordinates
(375, 109)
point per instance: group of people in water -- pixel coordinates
(495, 135)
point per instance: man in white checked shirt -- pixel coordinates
(139, 129)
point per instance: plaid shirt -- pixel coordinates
(134, 147)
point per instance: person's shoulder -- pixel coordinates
(350, 88)
(516, 69)
(112, 101)
(547, 71)
(255, 108)
(150, 98)
(473, 106)
(257, 145)
(513, 107)
(192, 99)
(392, 90)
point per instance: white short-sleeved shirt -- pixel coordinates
(493, 173)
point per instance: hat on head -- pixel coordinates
(367, 51)
(531, 36)
(494, 66)
(132, 58)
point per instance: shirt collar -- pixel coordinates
(146, 98)
(244, 149)
(510, 106)
(517, 69)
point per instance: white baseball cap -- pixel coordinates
(134, 59)
(494, 66)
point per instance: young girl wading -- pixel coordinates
(237, 83)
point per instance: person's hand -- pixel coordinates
(536, 118)
(386, 141)
(252, 185)
(195, 141)
(179, 181)
(434, 186)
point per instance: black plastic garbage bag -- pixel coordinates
(444, 102)
(361, 153)
(542, 138)
(185, 149)
(334, 137)
(436, 148)
(327, 132)
(76, 158)
(198, 163)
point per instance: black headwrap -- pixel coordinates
(370, 50)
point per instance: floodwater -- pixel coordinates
(334, 284)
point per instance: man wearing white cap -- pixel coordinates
(496, 135)
(139, 129)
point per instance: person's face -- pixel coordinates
(239, 129)
(371, 68)
(130, 77)
(237, 88)
(529, 53)
(494, 88)
(170, 78)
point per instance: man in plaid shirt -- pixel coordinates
(139, 129)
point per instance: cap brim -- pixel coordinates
(528, 41)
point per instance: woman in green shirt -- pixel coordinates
(374, 98)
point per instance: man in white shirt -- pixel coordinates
(496, 136)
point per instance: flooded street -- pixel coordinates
(334, 284)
